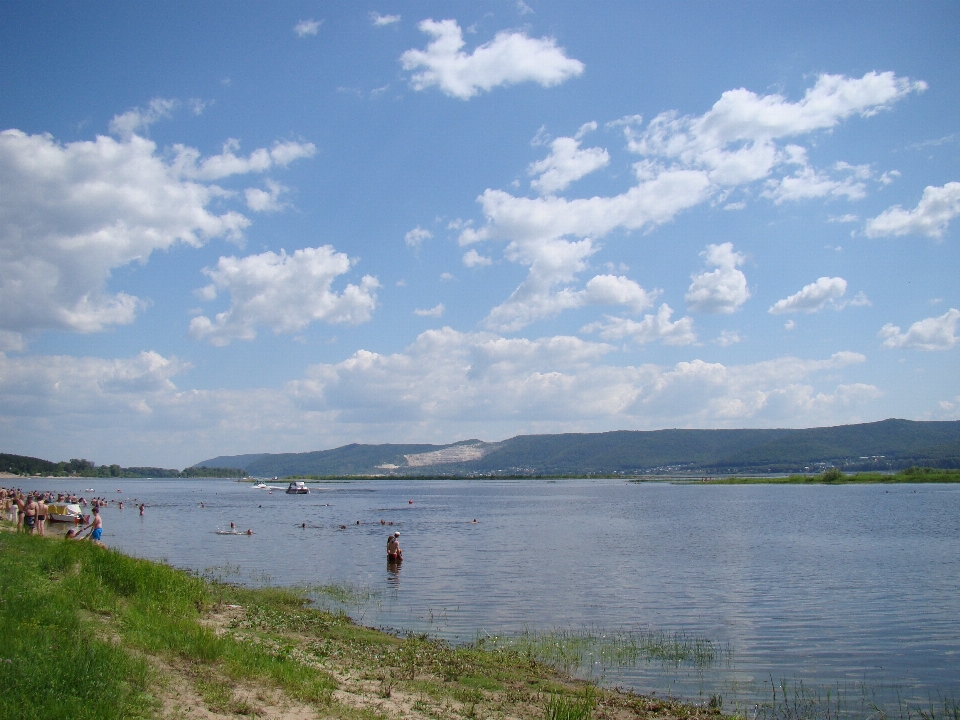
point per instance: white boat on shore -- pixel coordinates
(69, 513)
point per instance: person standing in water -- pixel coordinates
(394, 553)
(97, 525)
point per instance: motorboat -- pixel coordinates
(297, 487)
(259, 485)
(69, 513)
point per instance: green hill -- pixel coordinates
(886, 445)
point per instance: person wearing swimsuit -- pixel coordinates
(394, 553)
(42, 511)
(30, 515)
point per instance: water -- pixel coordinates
(853, 587)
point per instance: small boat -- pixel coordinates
(298, 487)
(69, 513)
(259, 485)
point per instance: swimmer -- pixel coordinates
(249, 531)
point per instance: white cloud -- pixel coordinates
(11, 341)
(860, 300)
(307, 27)
(197, 106)
(446, 384)
(847, 218)
(380, 20)
(937, 207)
(723, 290)
(508, 59)
(687, 161)
(809, 183)
(433, 312)
(414, 238)
(445, 276)
(812, 297)
(265, 200)
(565, 164)
(750, 122)
(728, 338)
(472, 258)
(283, 292)
(935, 333)
(73, 213)
(557, 263)
(188, 163)
(652, 327)
(789, 325)
(139, 120)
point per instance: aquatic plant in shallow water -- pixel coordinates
(797, 700)
(589, 649)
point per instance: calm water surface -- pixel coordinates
(846, 587)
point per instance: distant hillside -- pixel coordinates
(27, 466)
(886, 445)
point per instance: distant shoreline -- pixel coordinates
(830, 477)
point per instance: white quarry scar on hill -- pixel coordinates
(456, 454)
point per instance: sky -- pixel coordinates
(242, 227)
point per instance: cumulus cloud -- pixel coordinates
(812, 297)
(307, 27)
(808, 182)
(188, 163)
(265, 200)
(446, 384)
(139, 120)
(283, 292)
(685, 161)
(508, 59)
(73, 213)
(565, 164)
(935, 333)
(727, 338)
(937, 207)
(472, 258)
(433, 312)
(554, 264)
(414, 238)
(723, 290)
(446, 376)
(652, 327)
(380, 20)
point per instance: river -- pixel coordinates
(852, 588)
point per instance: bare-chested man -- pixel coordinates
(42, 513)
(97, 525)
(30, 508)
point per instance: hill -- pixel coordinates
(885, 445)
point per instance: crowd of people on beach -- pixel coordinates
(32, 512)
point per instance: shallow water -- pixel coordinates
(855, 587)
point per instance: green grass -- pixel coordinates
(592, 649)
(73, 618)
(834, 476)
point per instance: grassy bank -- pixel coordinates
(91, 633)
(837, 477)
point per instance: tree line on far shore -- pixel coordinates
(23, 465)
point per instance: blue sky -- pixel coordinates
(279, 227)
